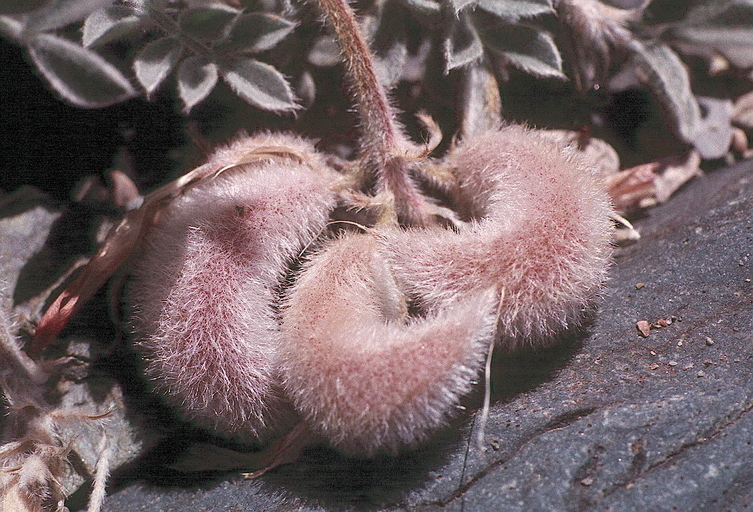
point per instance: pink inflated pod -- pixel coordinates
(205, 287)
(360, 372)
(537, 226)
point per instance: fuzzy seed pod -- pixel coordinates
(360, 373)
(538, 227)
(203, 292)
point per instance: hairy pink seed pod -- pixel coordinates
(539, 228)
(204, 289)
(360, 374)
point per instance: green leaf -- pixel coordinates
(208, 23)
(325, 52)
(61, 13)
(528, 48)
(666, 77)
(79, 75)
(722, 26)
(196, 78)
(425, 11)
(110, 24)
(514, 10)
(719, 13)
(479, 103)
(259, 84)
(256, 32)
(156, 61)
(12, 27)
(463, 44)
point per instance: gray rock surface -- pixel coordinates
(607, 420)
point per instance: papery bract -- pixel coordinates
(361, 373)
(205, 287)
(538, 226)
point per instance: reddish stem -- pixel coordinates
(383, 146)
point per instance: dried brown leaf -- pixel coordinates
(675, 172)
(631, 188)
(650, 183)
(742, 113)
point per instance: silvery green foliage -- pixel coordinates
(585, 41)
(722, 26)
(199, 44)
(499, 26)
(80, 76)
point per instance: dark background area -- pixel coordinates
(51, 145)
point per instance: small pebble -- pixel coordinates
(494, 444)
(638, 286)
(587, 481)
(644, 327)
(672, 363)
(653, 366)
(700, 374)
(709, 341)
(679, 343)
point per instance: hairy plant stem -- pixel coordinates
(383, 148)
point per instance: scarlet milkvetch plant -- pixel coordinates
(261, 318)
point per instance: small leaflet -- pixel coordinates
(156, 61)
(80, 76)
(665, 75)
(259, 84)
(208, 23)
(528, 48)
(255, 33)
(196, 79)
(106, 25)
(516, 10)
(463, 45)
